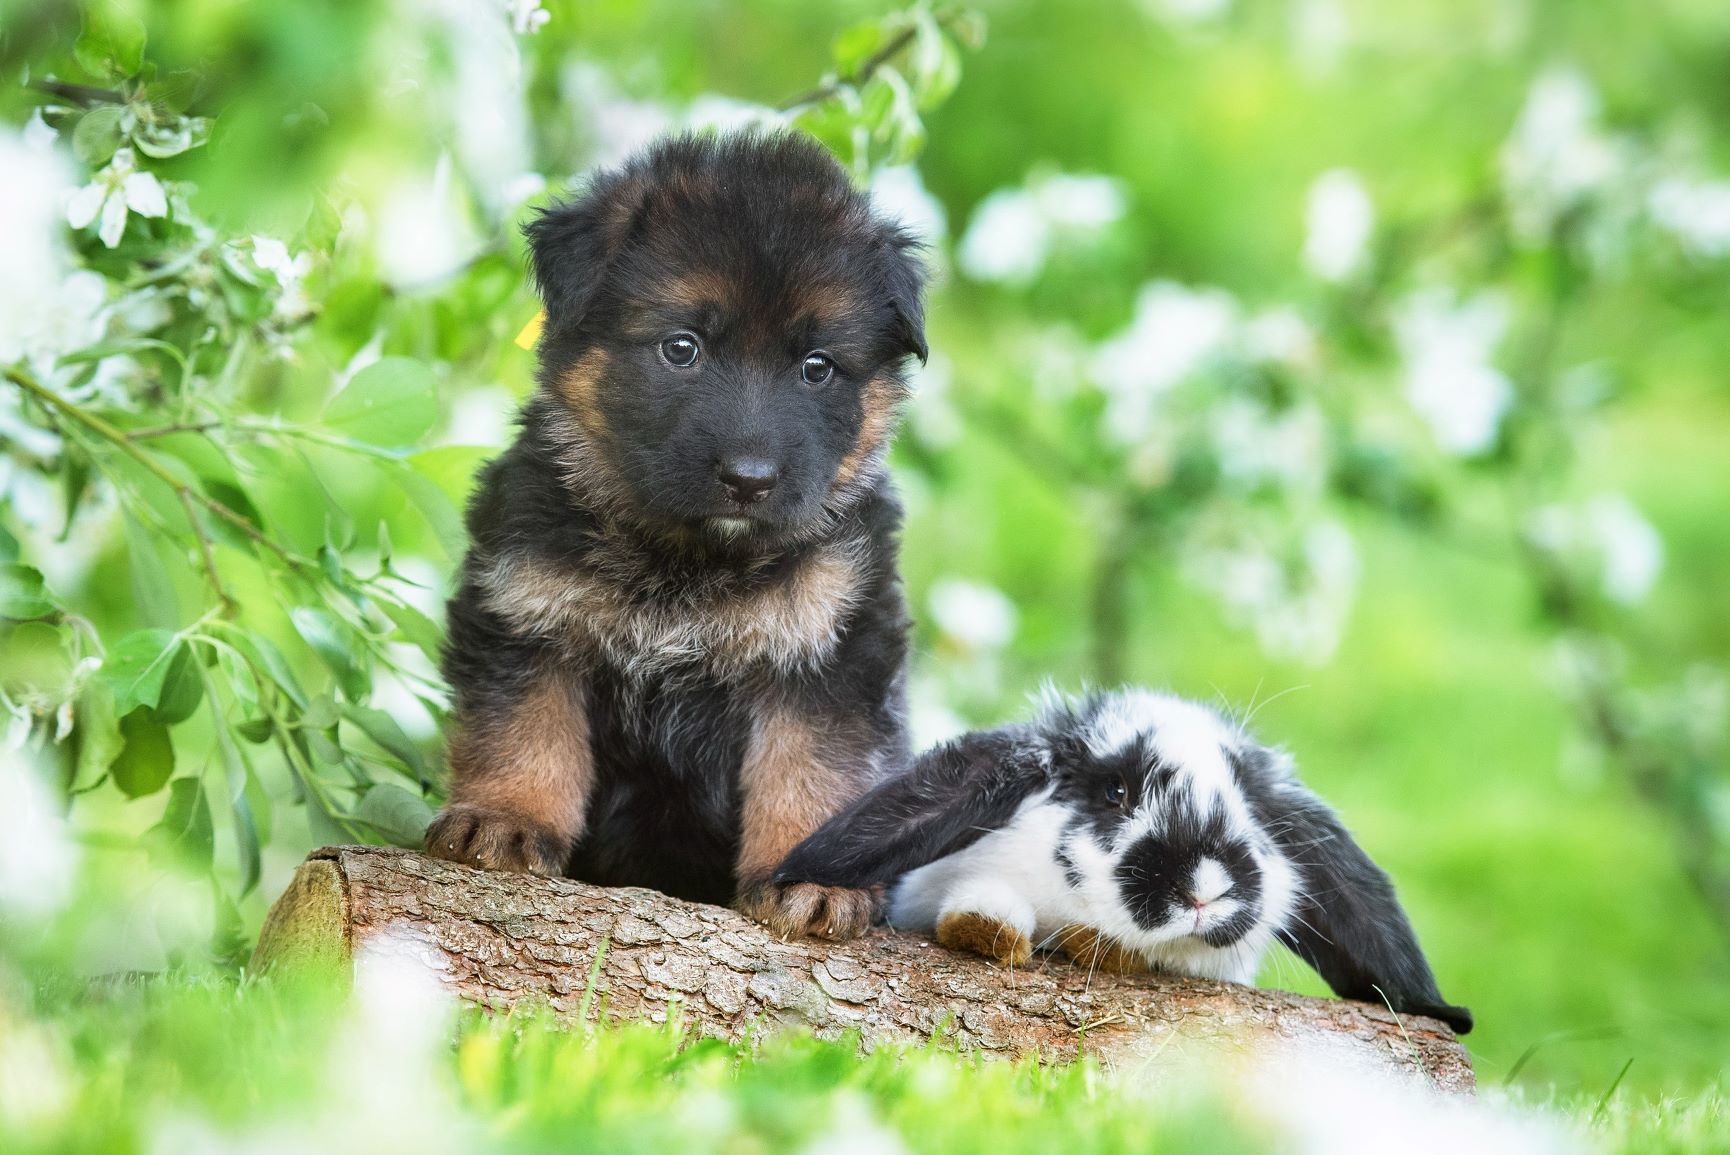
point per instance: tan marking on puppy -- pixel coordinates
(698, 289)
(828, 303)
(580, 387)
(983, 935)
(789, 790)
(1088, 948)
(520, 783)
(728, 626)
(882, 401)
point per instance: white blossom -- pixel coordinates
(37, 1082)
(1447, 347)
(719, 113)
(1007, 240)
(1013, 230)
(979, 616)
(46, 307)
(38, 856)
(1696, 212)
(1608, 536)
(1254, 445)
(616, 125)
(1320, 32)
(1341, 220)
(1557, 155)
(424, 233)
(527, 16)
(120, 186)
(273, 257)
(932, 417)
(1296, 598)
(1282, 336)
(854, 1129)
(1335, 1096)
(1082, 201)
(899, 194)
(1174, 332)
(38, 135)
(482, 98)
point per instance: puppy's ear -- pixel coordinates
(1347, 923)
(904, 279)
(573, 243)
(953, 795)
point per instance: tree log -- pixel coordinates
(499, 940)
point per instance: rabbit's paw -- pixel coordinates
(1088, 948)
(983, 935)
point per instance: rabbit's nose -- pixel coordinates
(1210, 882)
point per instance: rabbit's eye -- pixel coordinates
(1117, 793)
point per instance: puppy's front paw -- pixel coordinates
(800, 909)
(1088, 948)
(983, 935)
(495, 841)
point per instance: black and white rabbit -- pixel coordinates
(1133, 830)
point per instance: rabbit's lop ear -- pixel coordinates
(954, 794)
(1348, 923)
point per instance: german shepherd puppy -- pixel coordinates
(679, 641)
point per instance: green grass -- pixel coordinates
(191, 1066)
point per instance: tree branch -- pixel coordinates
(118, 438)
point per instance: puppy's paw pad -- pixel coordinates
(1088, 948)
(805, 910)
(495, 841)
(983, 935)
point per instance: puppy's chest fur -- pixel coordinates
(647, 620)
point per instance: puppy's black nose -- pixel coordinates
(747, 479)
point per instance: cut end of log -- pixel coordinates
(637, 955)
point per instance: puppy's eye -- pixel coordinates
(1117, 793)
(817, 369)
(680, 350)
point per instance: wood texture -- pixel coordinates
(504, 939)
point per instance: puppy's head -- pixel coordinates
(726, 326)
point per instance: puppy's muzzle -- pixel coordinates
(747, 480)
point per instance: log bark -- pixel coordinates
(500, 940)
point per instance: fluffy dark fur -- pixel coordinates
(679, 641)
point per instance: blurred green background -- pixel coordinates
(1355, 365)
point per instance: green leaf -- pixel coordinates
(8, 546)
(146, 758)
(383, 729)
(392, 402)
(399, 815)
(237, 773)
(23, 594)
(136, 667)
(255, 730)
(438, 481)
(336, 646)
(855, 45)
(97, 135)
(185, 834)
(417, 629)
(326, 830)
(96, 734)
(152, 588)
(111, 44)
(267, 660)
(74, 483)
(182, 688)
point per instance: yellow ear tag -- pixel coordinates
(532, 331)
